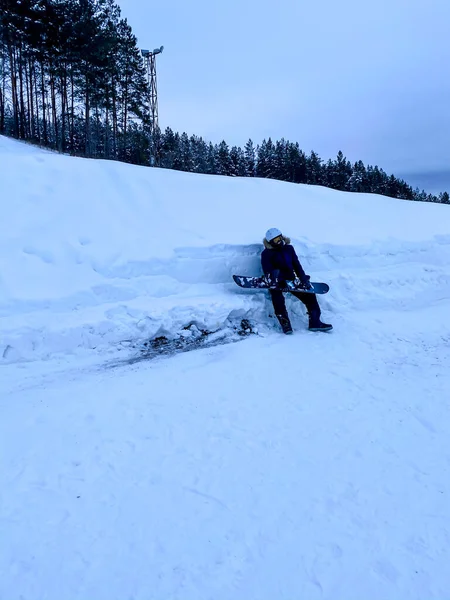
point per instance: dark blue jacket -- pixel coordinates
(282, 262)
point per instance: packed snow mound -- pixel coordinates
(95, 252)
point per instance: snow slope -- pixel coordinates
(311, 467)
(96, 252)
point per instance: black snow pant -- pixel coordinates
(309, 300)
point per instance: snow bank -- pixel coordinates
(95, 252)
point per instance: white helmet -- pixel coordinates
(272, 233)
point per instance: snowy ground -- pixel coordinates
(312, 466)
(315, 466)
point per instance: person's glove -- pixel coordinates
(303, 282)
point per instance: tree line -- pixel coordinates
(72, 79)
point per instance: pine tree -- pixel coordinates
(339, 172)
(358, 180)
(296, 164)
(170, 149)
(392, 187)
(420, 196)
(314, 169)
(280, 159)
(265, 162)
(186, 154)
(376, 180)
(212, 160)
(405, 191)
(199, 154)
(224, 164)
(250, 159)
(238, 163)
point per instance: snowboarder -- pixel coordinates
(280, 263)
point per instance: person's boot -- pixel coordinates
(315, 324)
(285, 324)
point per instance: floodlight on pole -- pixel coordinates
(150, 62)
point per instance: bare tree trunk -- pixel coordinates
(114, 117)
(44, 114)
(72, 115)
(28, 104)
(50, 142)
(36, 99)
(2, 95)
(96, 134)
(87, 116)
(31, 100)
(125, 108)
(15, 103)
(63, 106)
(54, 113)
(22, 102)
(2, 110)
(107, 147)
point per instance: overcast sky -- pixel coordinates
(368, 78)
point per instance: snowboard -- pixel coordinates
(261, 283)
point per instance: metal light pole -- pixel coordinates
(150, 61)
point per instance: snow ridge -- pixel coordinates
(142, 300)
